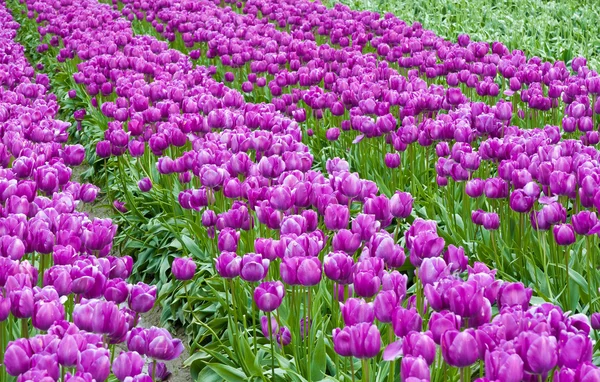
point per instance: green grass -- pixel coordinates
(552, 30)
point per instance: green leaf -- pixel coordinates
(319, 358)
(193, 248)
(229, 373)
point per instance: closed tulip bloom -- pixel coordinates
(574, 349)
(595, 321)
(269, 295)
(405, 321)
(584, 221)
(346, 241)
(514, 294)
(355, 311)
(401, 204)
(228, 265)
(342, 340)
(332, 134)
(456, 259)
(127, 364)
(46, 313)
(68, 352)
(385, 304)
(474, 187)
(281, 198)
(432, 269)
(17, 358)
(538, 352)
(365, 340)
(458, 348)
(414, 369)
(426, 244)
(145, 184)
(366, 282)
(496, 188)
(338, 267)
(336, 217)
(4, 307)
(491, 221)
(392, 160)
(520, 201)
(21, 303)
(504, 367)
(117, 290)
(564, 234)
(103, 149)
(253, 267)
(419, 344)
(395, 281)
(309, 271)
(142, 297)
(440, 322)
(183, 268)
(350, 185)
(264, 326)
(161, 346)
(365, 225)
(228, 240)
(465, 299)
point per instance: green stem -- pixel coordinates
(271, 335)
(393, 363)
(365, 367)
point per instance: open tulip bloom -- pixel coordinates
(377, 201)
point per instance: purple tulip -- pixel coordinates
(145, 185)
(564, 234)
(401, 204)
(538, 352)
(253, 267)
(342, 341)
(116, 291)
(595, 321)
(68, 352)
(414, 369)
(269, 295)
(338, 267)
(440, 322)
(405, 321)
(432, 269)
(419, 344)
(502, 366)
(584, 221)
(355, 311)
(336, 217)
(228, 240)
(46, 313)
(456, 259)
(385, 304)
(183, 268)
(365, 340)
(17, 358)
(127, 364)
(142, 297)
(161, 346)
(458, 348)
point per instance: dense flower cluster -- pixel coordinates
(58, 278)
(283, 230)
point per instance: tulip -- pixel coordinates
(342, 341)
(365, 340)
(502, 366)
(401, 204)
(538, 352)
(269, 295)
(142, 297)
(366, 282)
(116, 291)
(161, 346)
(405, 321)
(564, 234)
(46, 313)
(183, 268)
(253, 267)
(264, 325)
(127, 364)
(456, 259)
(336, 217)
(574, 350)
(458, 348)
(355, 311)
(17, 358)
(68, 352)
(309, 271)
(595, 321)
(432, 269)
(228, 240)
(385, 304)
(414, 369)
(145, 185)
(338, 267)
(346, 241)
(584, 221)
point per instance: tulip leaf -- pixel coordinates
(193, 248)
(319, 358)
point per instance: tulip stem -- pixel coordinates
(462, 374)
(24, 328)
(154, 370)
(307, 317)
(271, 335)
(365, 366)
(495, 249)
(233, 305)
(393, 363)
(568, 297)
(352, 368)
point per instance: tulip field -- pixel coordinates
(285, 190)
